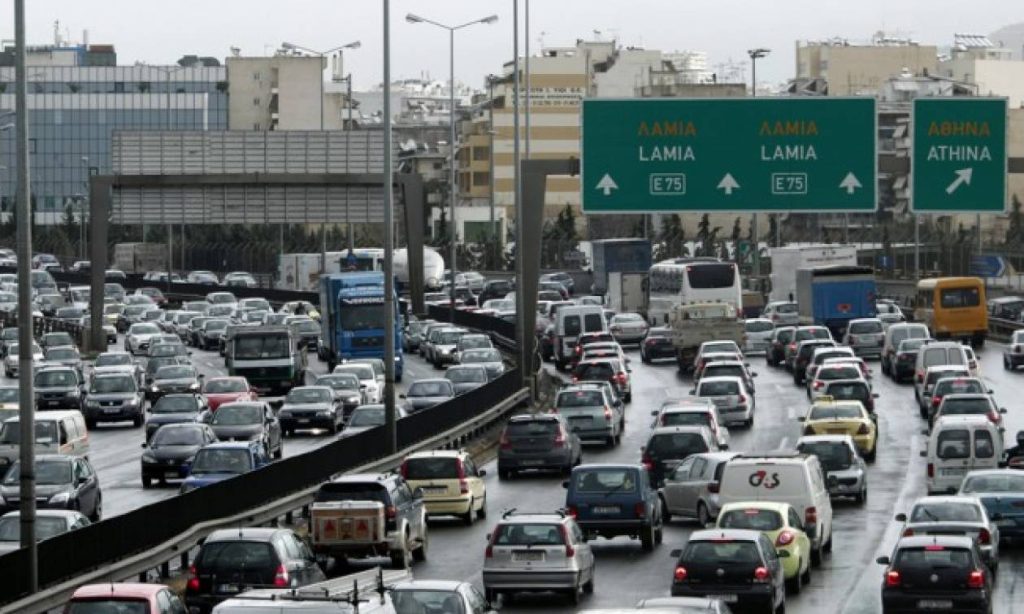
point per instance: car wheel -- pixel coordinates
(828, 545)
(816, 556)
(491, 595)
(400, 559)
(703, 517)
(807, 574)
(420, 554)
(147, 482)
(795, 584)
(588, 586)
(482, 512)
(279, 453)
(870, 456)
(862, 496)
(1006, 363)
(574, 595)
(467, 518)
(647, 538)
(504, 474)
(97, 513)
(666, 516)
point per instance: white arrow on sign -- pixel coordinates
(962, 176)
(850, 183)
(607, 184)
(728, 184)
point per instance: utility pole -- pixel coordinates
(390, 426)
(755, 54)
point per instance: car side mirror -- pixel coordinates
(401, 396)
(882, 560)
(901, 517)
(144, 444)
(481, 473)
(693, 391)
(801, 418)
(565, 484)
(1002, 410)
(654, 413)
(874, 395)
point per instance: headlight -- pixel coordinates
(92, 403)
(445, 351)
(131, 401)
(324, 412)
(148, 458)
(193, 387)
(284, 413)
(154, 388)
(60, 498)
(351, 400)
(2, 501)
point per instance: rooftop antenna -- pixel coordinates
(56, 32)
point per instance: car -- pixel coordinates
(657, 345)
(714, 347)
(114, 397)
(48, 523)
(611, 370)
(11, 360)
(195, 329)
(591, 412)
(366, 417)
(830, 372)
(208, 335)
(249, 421)
(300, 308)
(604, 349)
(310, 407)
(220, 390)
(865, 336)
(730, 396)
(230, 559)
(820, 355)
(155, 363)
(412, 334)
(438, 596)
(896, 334)
(803, 355)
(154, 294)
(668, 446)
(954, 385)
(137, 598)
(684, 605)
(537, 442)
(776, 351)
(609, 500)
(840, 460)
(561, 277)
(979, 404)
(117, 362)
(902, 364)
(1001, 491)
(738, 566)
(687, 412)
(450, 482)
(585, 339)
(68, 315)
(800, 334)
(345, 388)
(520, 540)
(1013, 354)
(690, 490)
(168, 453)
(372, 391)
(9, 405)
(466, 377)
(490, 359)
(307, 329)
(729, 368)
(758, 333)
(63, 355)
(936, 354)
(174, 378)
(780, 523)
(139, 336)
(628, 328)
(471, 341)
(221, 298)
(175, 409)
(62, 482)
(851, 390)
(59, 387)
(950, 561)
(57, 339)
(441, 346)
(222, 460)
(954, 515)
(782, 313)
(240, 279)
(495, 289)
(426, 393)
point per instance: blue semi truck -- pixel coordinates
(833, 295)
(353, 319)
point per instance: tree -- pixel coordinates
(1013, 232)
(773, 230)
(70, 227)
(737, 232)
(723, 250)
(672, 237)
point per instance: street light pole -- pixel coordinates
(453, 187)
(756, 54)
(493, 247)
(390, 427)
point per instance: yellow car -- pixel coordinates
(450, 481)
(780, 523)
(829, 417)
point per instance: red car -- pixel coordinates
(124, 597)
(220, 390)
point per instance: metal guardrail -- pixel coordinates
(502, 333)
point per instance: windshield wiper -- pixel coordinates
(930, 515)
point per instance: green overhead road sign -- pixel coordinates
(733, 154)
(959, 159)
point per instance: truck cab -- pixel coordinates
(353, 319)
(271, 358)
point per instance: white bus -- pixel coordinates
(691, 280)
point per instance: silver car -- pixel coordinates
(866, 336)
(729, 394)
(537, 552)
(628, 327)
(758, 333)
(840, 460)
(490, 359)
(139, 336)
(691, 490)
(11, 365)
(782, 313)
(955, 515)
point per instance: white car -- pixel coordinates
(11, 360)
(367, 380)
(758, 333)
(139, 337)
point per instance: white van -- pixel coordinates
(936, 354)
(958, 445)
(570, 322)
(894, 335)
(57, 432)
(793, 478)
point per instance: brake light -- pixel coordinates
(792, 346)
(391, 512)
(647, 462)
(679, 575)
(993, 417)
(908, 533)
(621, 377)
(713, 488)
(976, 579)
(569, 550)
(935, 401)
(892, 578)
(984, 537)
(784, 539)
(931, 470)
(743, 399)
(640, 510)
(575, 379)
(920, 376)
(818, 384)
(761, 575)
(559, 439)
(489, 551)
(463, 485)
(863, 430)
(281, 579)
(193, 578)
(403, 469)
(572, 511)
(811, 515)
(608, 413)
(506, 443)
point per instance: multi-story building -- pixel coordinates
(858, 69)
(78, 97)
(991, 69)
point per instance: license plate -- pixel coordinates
(112, 410)
(606, 509)
(935, 604)
(52, 403)
(172, 473)
(227, 588)
(836, 431)
(726, 598)
(532, 462)
(528, 556)
(303, 420)
(435, 490)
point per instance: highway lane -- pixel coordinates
(116, 447)
(848, 581)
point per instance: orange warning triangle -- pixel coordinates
(361, 526)
(329, 526)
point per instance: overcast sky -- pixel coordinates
(161, 32)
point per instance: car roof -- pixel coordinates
(608, 466)
(948, 368)
(244, 534)
(733, 534)
(721, 378)
(429, 585)
(131, 590)
(228, 445)
(48, 513)
(437, 454)
(534, 417)
(948, 499)
(688, 428)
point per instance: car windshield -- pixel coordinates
(580, 398)
(599, 371)
(722, 552)
(56, 379)
(144, 329)
(714, 370)
(308, 395)
(104, 385)
(237, 415)
(1002, 482)
(449, 338)
(175, 372)
(363, 372)
(221, 460)
(458, 375)
(256, 346)
(718, 389)
(430, 389)
(834, 456)
(176, 404)
(355, 491)
(605, 480)
(933, 558)
(755, 519)
(715, 347)
(113, 360)
(215, 325)
(758, 326)
(46, 527)
(527, 534)
(954, 406)
(167, 349)
(178, 435)
(469, 343)
(676, 445)
(48, 473)
(945, 511)
(837, 411)
(427, 600)
(367, 416)
(432, 468)
(340, 381)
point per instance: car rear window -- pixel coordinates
(849, 390)
(953, 443)
(865, 328)
(786, 308)
(605, 480)
(953, 298)
(593, 322)
(722, 552)
(945, 511)
(834, 456)
(830, 373)
(932, 557)
(352, 492)
(572, 325)
(533, 428)
(109, 606)
(718, 389)
(232, 556)
(580, 398)
(528, 535)
(942, 356)
(994, 483)
(958, 386)
(431, 468)
(714, 370)
(686, 418)
(784, 336)
(595, 371)
(831, 412)
(952, 406)
(754, 519)
(757, 326)
(676, 445)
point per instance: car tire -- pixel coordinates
(870, 456)
(588, 586)
(97, 513)
(862, 496)
(816, 556)
(279, 453)
(574, 595)
(469, 516)
(703, 516)
(90, 423)
(795, 584)
(482, 512)
(647, 538)
(666, 516)
(400, 559)
(420, 554)
(827, 548)
(807, 574)
(504, 474)
(491, 595)
(147, 482)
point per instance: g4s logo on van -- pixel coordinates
(762, 478)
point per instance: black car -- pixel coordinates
(58, 388)
(248, 421)
(905, 361)
(168, 453)
(311, 407)
(803, 356)
(427, 393)
(155, 363)
(736, 562)
(345, 387)
(936, 573)
(210, 333)
(656, 345)
(175, 409)
(114, 397)
(174, 379)
(496, 288)
(62, 482)
(776, 352)
(232, 560)
(538, 442)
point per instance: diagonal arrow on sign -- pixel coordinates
(963, 176)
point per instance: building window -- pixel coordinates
(481, 178)
(118, 87)
(438, 166)
(480, 153)
(256, 101)
(256, 76)
(256, 126)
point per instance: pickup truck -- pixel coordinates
(367, 515)
(696, 323)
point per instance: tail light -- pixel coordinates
(281, 579)
(463, 484)
(573, 511)
(569, 550)
(808, 430)
(713, 488)
(935, 401)
(908, 533)
(559, 441)
(640, 510)
(489, 552)
(506, 443)
(984, 537)
(621, 377)
(920, 377)
(792, 347)
(575, 379)
(743, 399)
(608, 413)
(1016, 349)
(679, 575)
(648, 462)
(811, 515)
(761, 575)
(993, 417)
(391, 512)
(784, 539)
(818, 384)
(976, 579)
(193, 579)
(404, 469)
(863, 430)
(931, 470)
(892, 578)
(579, 350)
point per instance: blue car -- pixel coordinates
(223, 460)
(608, 500)
(1002, 493)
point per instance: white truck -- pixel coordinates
(626, 292)
(302, 271)
(786, 261)
(140, 257)
(697, 323)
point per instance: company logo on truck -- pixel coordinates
(761, 478)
